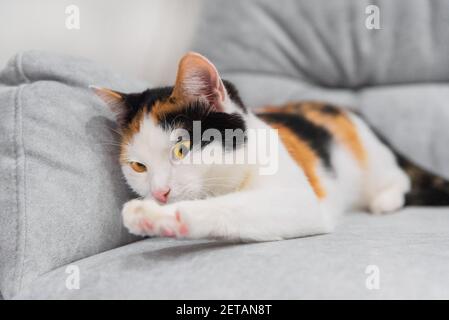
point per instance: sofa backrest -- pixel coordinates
(328, 43)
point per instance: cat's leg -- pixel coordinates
(253, 215)
(385, 183)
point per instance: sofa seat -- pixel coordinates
(409, 248)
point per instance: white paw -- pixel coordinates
(148, 218)
(388, 200)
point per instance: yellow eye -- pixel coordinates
(137, 166)
(181, 149)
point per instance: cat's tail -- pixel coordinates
(427, 189)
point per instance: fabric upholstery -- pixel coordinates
(396, 77)
(61, 186)
(326, 42)
(408, 248)
(61, 189)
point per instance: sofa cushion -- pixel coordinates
(61, 187)
(414, 120)
(327, 42)
(407, 250)
(395, 77)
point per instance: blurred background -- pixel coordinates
(387, 60)
(140, 38)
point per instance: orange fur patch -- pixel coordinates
(336, 121)
(342, 128)
(129, 132)
(161, 108)
(303, 155)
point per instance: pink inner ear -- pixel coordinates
(198, 78)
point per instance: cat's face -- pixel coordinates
(160, 156)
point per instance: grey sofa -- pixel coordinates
(61, 189)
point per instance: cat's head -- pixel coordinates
(158, 146)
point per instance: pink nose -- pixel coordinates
(161, 195)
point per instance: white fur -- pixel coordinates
(384, 182)
(235, 202)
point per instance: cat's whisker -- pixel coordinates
(108, 144)
(109, 129)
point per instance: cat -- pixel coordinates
(329, 162)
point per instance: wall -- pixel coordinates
(141, 38)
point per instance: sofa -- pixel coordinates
(61, 189)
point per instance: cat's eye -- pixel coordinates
(137, 166)
(181, 149)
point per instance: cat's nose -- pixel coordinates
(161, 194)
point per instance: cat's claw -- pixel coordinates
(148, 218)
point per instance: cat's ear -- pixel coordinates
(115, 100)
(198, 78)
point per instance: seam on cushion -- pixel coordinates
(19, 67)
(16, 193)
(21, 231)
(24, 227)
(269, 74)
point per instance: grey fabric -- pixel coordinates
(321, 50)
(409, 248)
(61, 188)
(326, 42)
(414, 119)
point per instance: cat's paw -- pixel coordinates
(148, 218)
(387, 201)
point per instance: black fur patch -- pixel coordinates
(427, 188)
(220, 121)
(330, 110)
(317, 138)
(234, 95)
(151, 96)
(136, 101)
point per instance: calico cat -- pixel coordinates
(330, 162)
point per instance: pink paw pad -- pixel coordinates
(183, 230)
(146, 225)
(178, 216)
(168, 233)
